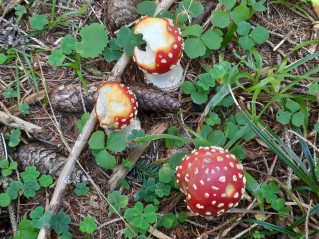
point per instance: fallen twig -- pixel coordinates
(15, 122)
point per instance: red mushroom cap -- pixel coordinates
(212, 180)
(116, 105)
(164, 45)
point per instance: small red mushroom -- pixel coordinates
(116, 105)
(163, 51)
(212, 180)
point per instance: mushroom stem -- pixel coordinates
(168, 81)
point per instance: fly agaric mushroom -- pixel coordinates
(163, 51)
(212, 180)
(116, 106)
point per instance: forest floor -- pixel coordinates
(26, 76)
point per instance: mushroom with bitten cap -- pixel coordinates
(212, 180)
(163, 51)
(116, 106)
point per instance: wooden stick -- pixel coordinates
(15, 122)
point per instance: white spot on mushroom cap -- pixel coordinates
(220, 205)
(163, 61)
(170, 55)
(214, 202)
(222, 179)
(195, 187)
(236, 195)
(199, 206)
(208, 213)
(220, 159)
(206, 195)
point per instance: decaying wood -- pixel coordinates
(46, 161)
(119, 171)
(69, 98)
(120, 13)
(15, 122)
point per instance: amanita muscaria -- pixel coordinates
(162, 54)
(212, 180)
(116, 106)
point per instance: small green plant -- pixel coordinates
(116, 142)
(14, 137)
(38, 22)
(171, 220)
(88, 225)
(24, 108)
(39, 217)
(118, 201)
(7, 167)
(140, 217)
(45, 180)
(293, 114)
(60, 222)
(10, 93)
(81, 189)
(81, 122)
(200, 89)
(198, 41)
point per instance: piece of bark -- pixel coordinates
(120, 13)
(47, 161)
(68, 98)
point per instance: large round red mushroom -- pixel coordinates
(163, 51)
(212, 180)
(116, 105)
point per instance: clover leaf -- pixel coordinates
(81, 122)
(94, 40)
(45, 180)
(30, 174)
(60, 222)
(4, 200)
(10, 93)
(24, 108)
(220, 18)
(141, 217)
(14, 137)
(128, 40)
(81, 189)
(269, 191)
(13, 189)
(7, 167)
(146, 8)
(38, 21)
(68, 44)
(39, 217)
(29, 188)
(56, 58)
(118, 201)
(88, 225)
(116, 142)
